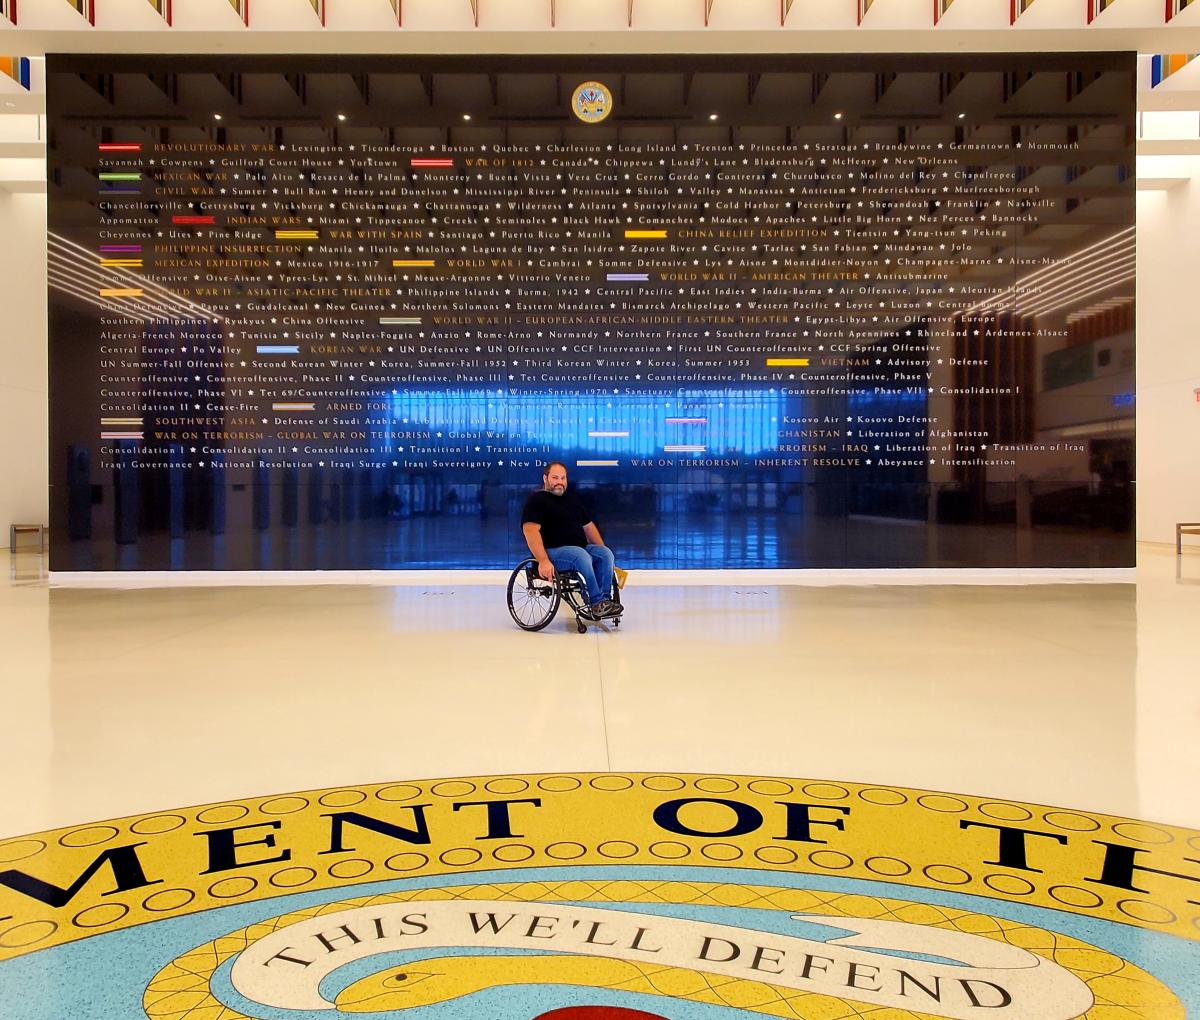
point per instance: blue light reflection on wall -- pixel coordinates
(742, 421)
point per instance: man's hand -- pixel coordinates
(546, 570)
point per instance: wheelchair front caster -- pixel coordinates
(617, 622)
(581, 627)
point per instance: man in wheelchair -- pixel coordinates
(561, 535)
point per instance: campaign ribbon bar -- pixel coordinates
(413, 263)
(120, 146)
(122, 292)
(400, 321)
(428, 163)
(120, 421)
(685, 448)
(628, 277)
(296, 235)
(188, 221)
(120, 435)
(597, 463)
(278, 349)
(121, 248)
(293, 405)
(645, 235)
(132, 263)
(120, 176)
(787, 362)
(608, 435)
(687, 421)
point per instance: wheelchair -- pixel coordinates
(533, 601)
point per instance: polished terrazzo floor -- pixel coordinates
(120, 701)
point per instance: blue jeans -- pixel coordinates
(594, 564)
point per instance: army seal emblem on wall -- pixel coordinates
(592, 102)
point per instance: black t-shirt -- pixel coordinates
(562, 518)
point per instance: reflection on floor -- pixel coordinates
(122, 701)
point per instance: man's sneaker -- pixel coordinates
(590, 613)
(607, 608)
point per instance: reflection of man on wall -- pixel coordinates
(561, 535)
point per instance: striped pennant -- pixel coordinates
(120, 146)
(163, 7)
(121, 428)
(1163, 65)
(430, 163)
(1016, 8)
(1175, 6)
(297, 235)
(112, 434)
(124, 263)
(8, 11)
(608, 435)
(413, 263)
(401, 320)
(628, 277)
(130, 175)
(243, 10)
(110, 422)
(293, 405)
(85, 7)
(17, 68)
(597, 463)
(685, 448)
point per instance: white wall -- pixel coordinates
(23, 390)
(1168, 349)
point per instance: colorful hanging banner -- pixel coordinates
(319, 7)
(85, 7)
(243, 10)
(785, 8)
(8, 10)
(17, 68)
(863, 7)
(1096, 7)
(708, 6)
(940, 7)
(1163, 65)
(398, 7)
(163, 7)
(1016, 8)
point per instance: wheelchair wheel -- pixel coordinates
(616, 597)
(532, 601)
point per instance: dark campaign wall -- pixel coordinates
(771, 312)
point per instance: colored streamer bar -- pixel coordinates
(608, 435)
(413, 263)
(109, 148)
(122, 249)
(163, 7)
(129, 263)
(597, 463)
(193, 221)
(687, 421)
(122, 292)
(628, 277)
(128, 183)
(85, 7)
(400, 320)
(293, 405)
(121, 428)
(787, 362)
(297, 235)
(686, 447)
(278, 349)
(1163, 65)
(645, 235)
(430, 163)
(17, 68)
